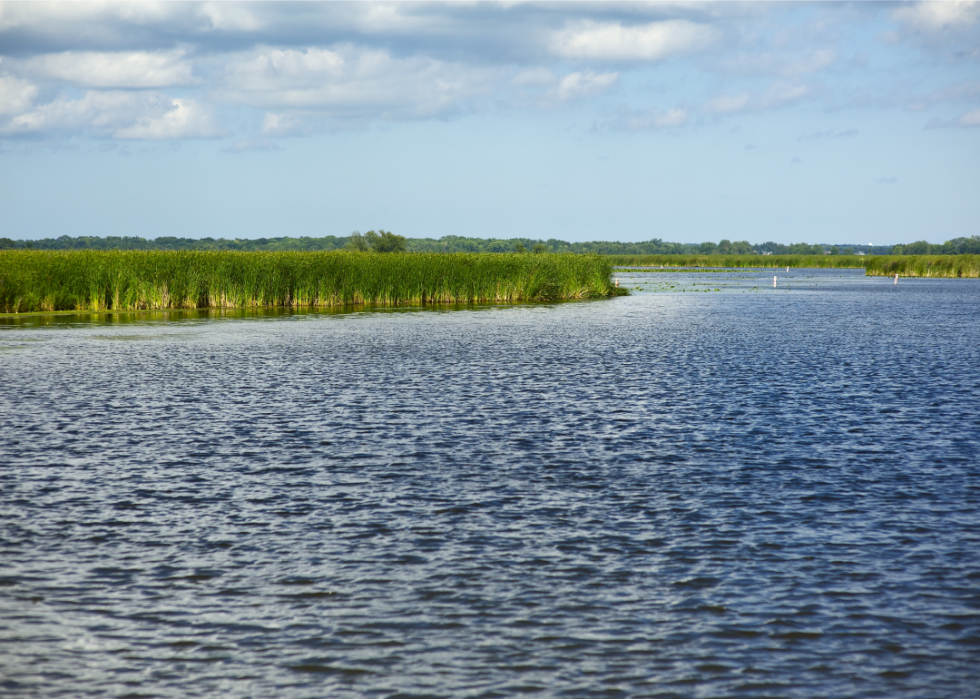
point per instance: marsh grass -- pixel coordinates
(825, 261)
(874, 265)
(33, 281)
(925, 266)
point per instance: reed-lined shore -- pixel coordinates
(33, 281)
(924, 266)
(838, 261)
(874, 265)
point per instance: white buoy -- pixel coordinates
(787, 269)
(773, 282)
(617, 281)
(896, 279)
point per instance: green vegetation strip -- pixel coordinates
(924, 266)
(874, 266)
(33, 281)
(833, 261)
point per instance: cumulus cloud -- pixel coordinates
(184, 119)
(252, 145)
(228, 16)
(787, 65)
(534, 77)
(119, 114)
(968, 120)
(16, 95)
(134, 69)
(775, 96)
(350, 82)
(727, 104)
(305, 66)
(932, 17)
(650, 119)
(612, 41)
(582, 85)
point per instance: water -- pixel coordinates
(749, 492)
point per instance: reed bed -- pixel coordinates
(925, 266)
(136, 280)
(831, 261)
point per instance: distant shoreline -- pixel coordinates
(939, 266)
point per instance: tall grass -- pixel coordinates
(833, 261)
(133, 280)
(925, 266)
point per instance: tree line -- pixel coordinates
(385, 241)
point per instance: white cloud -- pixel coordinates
(227, 16)
(650, 119)
(931, 17)
(787, 65)
(16, 95)
(777, 95)
(351, 82)
(582, 85)
(185, 119)
(534, 77)
(126, 115)
(139, 69)
(726, 104)
(646, 42)
(276, 124)
(259, 145)
(968, 120)
(781, 94)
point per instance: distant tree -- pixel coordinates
(358, 242)
(7, 244)
(835, 250)
(385, 241)
(707, 248)
(517, 248)
(539, 247)
(919, 247)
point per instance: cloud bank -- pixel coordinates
(253, 71)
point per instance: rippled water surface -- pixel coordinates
(750, 492)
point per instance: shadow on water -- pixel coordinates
(55, 319)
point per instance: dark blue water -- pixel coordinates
(746, 493)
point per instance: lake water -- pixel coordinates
(686, 492)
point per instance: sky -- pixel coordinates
(685, 121)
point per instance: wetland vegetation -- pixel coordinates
(137, 280)
(829, 261)
(925, 266)
(874, 265)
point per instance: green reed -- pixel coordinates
(832, 261)
(874, 265)
(134, 280)
(925, 266)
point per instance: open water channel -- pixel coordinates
(748, 492)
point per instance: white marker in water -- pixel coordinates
(617, 281)
(787, 269)
(896, 279)
(773, 282)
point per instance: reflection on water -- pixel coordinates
(766, 493)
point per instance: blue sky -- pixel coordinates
(791, 121)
